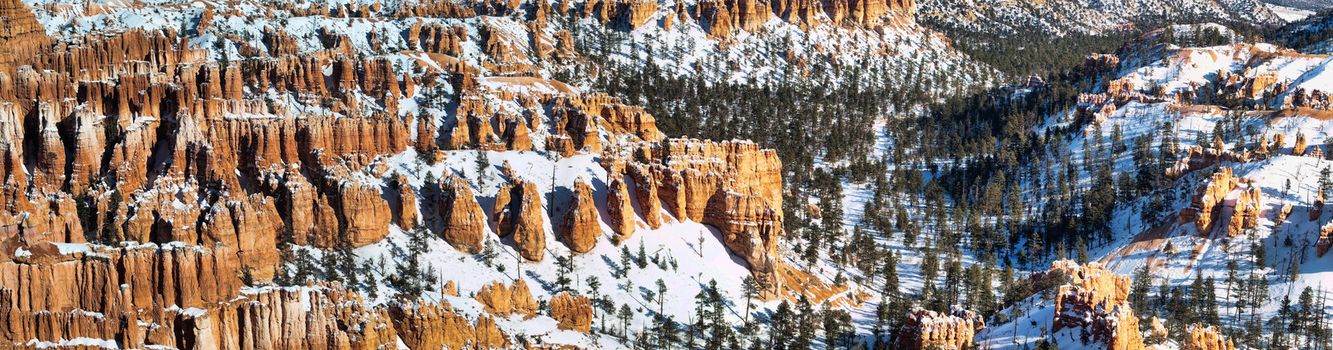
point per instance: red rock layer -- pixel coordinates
(626, 14)
(645, 194)
(721, 17)
(1206, 204)
(186, 296)
(21, 36)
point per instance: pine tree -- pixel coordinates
(642, 258)
(1138, 291)
(595, 290)
(622, 270)
(625, 315)
(783, 325)
(890, 272)
(408, 277)
(1325, 185)
(110, 230)
(564, 268)
(661, 299)
(751, 290)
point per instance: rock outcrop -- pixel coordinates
(408, 213)
(867, 13)
(22, 38)
(1097, 300)
(734, 186)
(925, 329)
(464, 221)
(749, 228)
(518, 213)
(803, 13)
(116, 294)
(1200, 337)
(438, 326)
(208, 165)
(1247, 208)
(573, 312)
(499, 299)
(1298, 149)
(581, 227)
(366, 214)
(619, 208)
(645, 193)
(721, 17)
(1206, 205)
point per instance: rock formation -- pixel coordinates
(581, 227)
(1248, 206)
(633, 14)
(1206, 204)
(518, 213)
(210, 165)
(22, 38)
(464, 221)
(573, 312)
(619, 208)
(1097, 300)
(437, 326)
(1200, 337)
(721, 17)
(1299, 148)
(366, 214)
(734, 186)
(803, 13)
(925, 329)
(749, 228)
(501, 300)
(117, 292)
(645, 192)
(408, 213)
(865, 12)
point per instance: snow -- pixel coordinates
(1289, 14)
(1320, 77)
(76, 342)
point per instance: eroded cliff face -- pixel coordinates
(518, 214)
(738, 185)
(1200, 337)
(21, 38)
(144, 173)
(1224, 190)
(721, 18)
(438, 326)
(118, 295)
(573, 312)
(1097, 300)
(620, 208)
(503, 300)
(464, 222)
(582, 227)
(925, 329)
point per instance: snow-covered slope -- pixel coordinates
(1278, 256)
(1063, 17)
